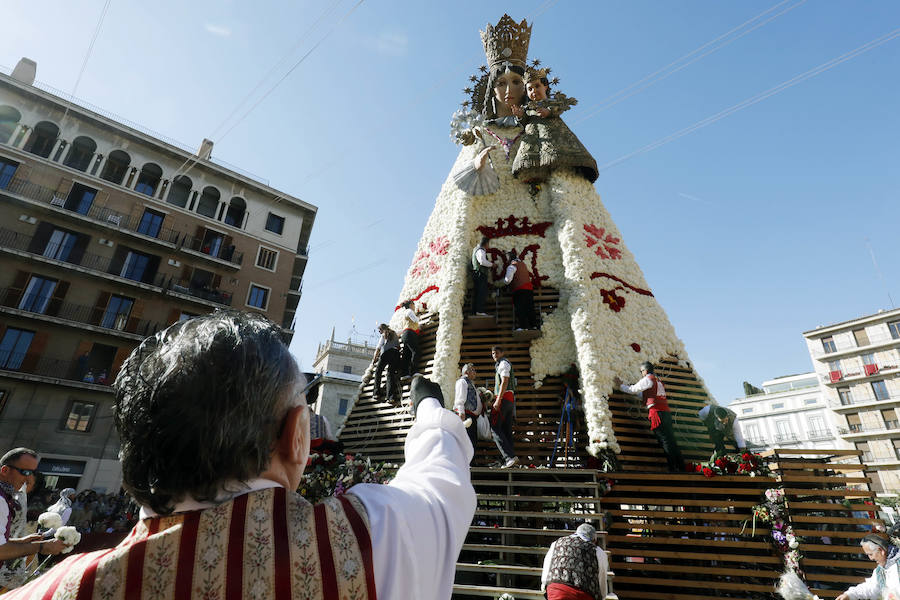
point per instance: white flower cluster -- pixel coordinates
(464, 121)
(50, 520)
(69, 536)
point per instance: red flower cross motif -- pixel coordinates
(615, 301)
(424, 262)
(605, 242)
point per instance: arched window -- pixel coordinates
(209, 202)
(9, 120)
(234, 216)
(180, 191)
(80, 153)
(148, 179)
(42, 139)
(116, 166)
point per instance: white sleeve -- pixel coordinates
(481, 257)
(459, 398)
(510, 273)
(602, 568)
(4, 519)
(412, 316)
(867, 589)
(504, 369)
(738, 434)
(704, 412)
(644, 384)
(419, 521)
(380, 343)
(546, 571)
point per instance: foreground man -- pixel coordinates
(575, 567)
(214, 432)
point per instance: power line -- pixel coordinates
(665, 71)
(87, 55)
(757, 98)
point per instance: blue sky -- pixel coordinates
(750, 230)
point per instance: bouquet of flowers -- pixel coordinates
(731, 464)
(791, 587)
(333, 474)
(774, 512)
(462, 126)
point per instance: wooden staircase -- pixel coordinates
(520, 512)
(669, 536)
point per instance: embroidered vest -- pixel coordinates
(656, 395)
(522, 278)
(511, 384)
(264, 544)
(574, 563)
(471, 398)
(479, 268)
(7, 494)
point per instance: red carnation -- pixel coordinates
(746, 456)
(720, 462)
(689, 467)
(698, 468)
(707, 472)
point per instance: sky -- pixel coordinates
(750, 230)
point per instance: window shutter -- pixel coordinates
(56, 299)
(41, 237)
(14, 295)
(100, 308)
(78, 248)
(35, 352)
(137, 309)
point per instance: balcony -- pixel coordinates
(111, 218)
(786, 438)
(78, 314)
(815, 436)
(859, 428)
(876, 342)
(859, 374)
(846, 403)
(189, 288)
(100, 265)
(45, 367)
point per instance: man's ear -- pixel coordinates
(295, 435)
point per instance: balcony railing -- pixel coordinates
(820, 435)
(874, 340)
(851, 401)
(101, 317)
(860, 428)
(786, 437)
(45, 366)
(101, 264)
(112, 218)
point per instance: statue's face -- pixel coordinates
(508, 89)
(537, 90)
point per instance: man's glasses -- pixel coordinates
(25, 472)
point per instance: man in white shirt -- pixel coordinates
(481, 269)
(214, 431)
(410, 338)
(575, 567)
(467, 401)
(503, 412)
(518, 278)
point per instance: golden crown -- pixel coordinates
(507, 41)
(532, 73)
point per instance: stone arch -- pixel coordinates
(209, 202)
(116, 167)
(43, 138)
(148, 179)
(9, 120)
(180, 191)
(237, 208)
(81, 151)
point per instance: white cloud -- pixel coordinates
(390, 44)
(220, 30)
(696, 199)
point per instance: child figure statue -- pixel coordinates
(548, 143)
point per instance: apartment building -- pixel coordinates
(858, 365)
(342, 365)
(109, 233)
(790, 412)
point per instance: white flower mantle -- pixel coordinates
(583, 329)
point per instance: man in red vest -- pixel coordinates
(654, 395)
(214, 431)
(518, 278)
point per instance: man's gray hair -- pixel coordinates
(467, 368)
(15, 454)
(587, 531)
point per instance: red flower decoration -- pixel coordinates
(605, 242)
(707, 472)
(720, 462)
(689, 467)
(698, 468)
(636, 347)
(746, 456)
(615, 302)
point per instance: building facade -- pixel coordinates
(342, 365)
(791, 412)
(858, 365)
(109, 234)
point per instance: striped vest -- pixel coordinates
(264, 544)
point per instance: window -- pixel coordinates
(344, 403)
(861, 337)
(894, 328)
(209, 202)
(348, 369)
(135, 265)
(9, 122)
(777, 405)
(880, 390)
(753, 434)
(117, 311)
(13, 347)
(81, 151)
(266, 258)
(180, 191)
(80, 198)
(43, 138)
(834, 365)
(817, 426)
(60, 244)
(275, 224)
(259, 297)
(7, 170)
(148, 179)
(80, 416)
(37, 294)
(846, 396)
(784, 432)
(234, 216)
(828, 345)
(212, 242)
(151, 222)
(868, 359)
(809, 401)
(116, 166)
(747, 411)
(4, 396)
